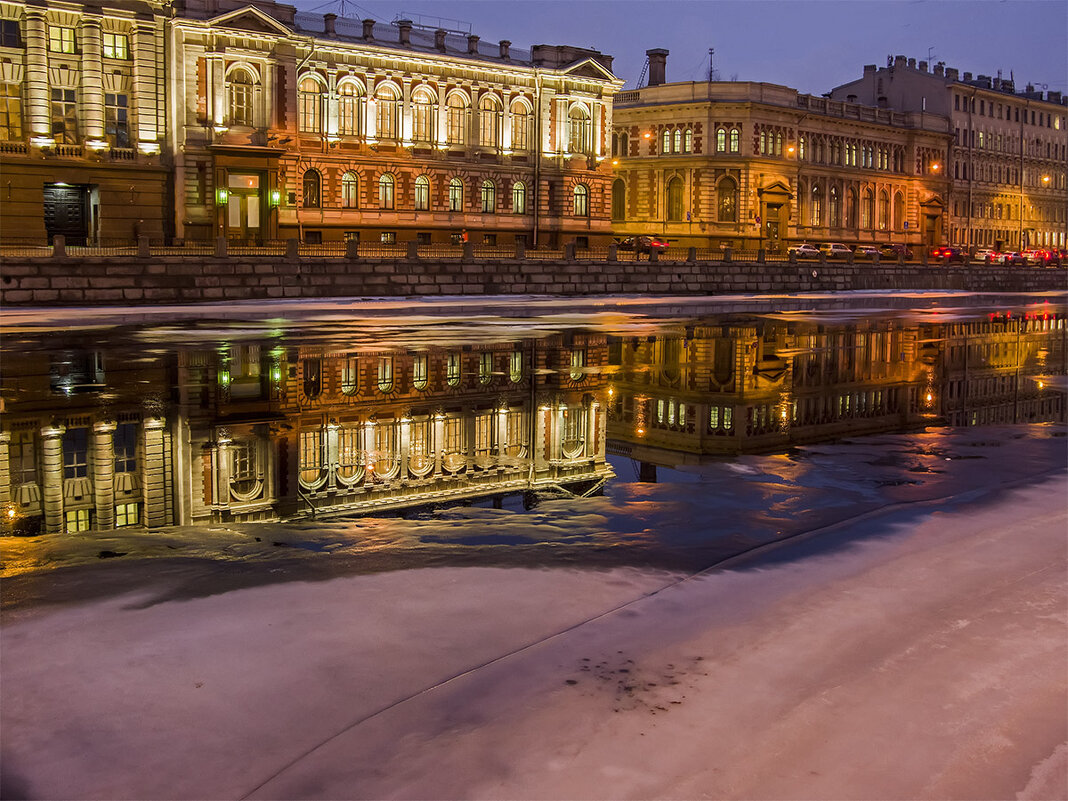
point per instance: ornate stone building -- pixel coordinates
(749, 165)
(82, 120)
(300, 125)
(1009, 157)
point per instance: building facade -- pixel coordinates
(301, 125)
(754, 165)
(1008, 185)
(83, 120)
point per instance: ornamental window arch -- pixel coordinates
(676, 188)
(387, 110)
(522, 118)
(619, 199)
(457, 108)
(489, 120)
(311, 99)
(424, 114)
(579, 128)
(727, 200)
(243, 92)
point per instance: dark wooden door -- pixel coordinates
(66, 212)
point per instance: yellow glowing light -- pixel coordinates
(936, 166)
(647, 135)
(930, 397)
(1045, 179)
(1040, 385)
(641, 431)
(615, 162)
(11, 511)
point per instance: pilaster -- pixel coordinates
(154, 466)
(38, 102)
(91, 107)
(104, 474)
(52, 477)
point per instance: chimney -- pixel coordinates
(368, 29)
(900, 61)
(1053, 97)
(952, 73)
(657, 65)
(923, 66)
(328, 24)
(912, 63)
(405, 26)
(869, 69)
(940, 69)
(439, 39)
(505, 44)
(472, 44)
(967, 77)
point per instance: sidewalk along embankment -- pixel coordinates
(108, 280)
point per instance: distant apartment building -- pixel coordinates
(755, 165)
(1007, 166)
(83, 120)
(292, 124)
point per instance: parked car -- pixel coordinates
(1010, 258)
(866, 252)
(805, 251)
(1042, 258)
(985, 255)
(836, 250)
(893, 251)
(948, 254)
(643, 244)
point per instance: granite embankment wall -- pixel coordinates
(121, 280)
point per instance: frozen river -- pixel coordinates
(805, 552)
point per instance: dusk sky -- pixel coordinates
(806, 44)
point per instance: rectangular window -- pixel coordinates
(10, 112)
(389, 237)
(116, 45)
(127, 514)
(76, 453)
(116, 120)
(311, 455)
(485, 433)
(77, 520)
(125, 444)
(9, 33)
(61, 40)
(64, 117)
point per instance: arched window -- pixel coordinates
(350, 190)
(674, 199)
(456, 195)
(582, 200)
(423, 116)
(310, 98)
(489, 197)
(815, 206)
(519, 198)
(350, 109)
(687, 141)
(678, 141)
(884, 211)
(387, 113)
(579, 130)
(456, 119)
(736, 139)
(522, 121)
(665, 141)
(834, 219)
(489, 122)
(312, 190)
(899, 211)
(422, 193)
(867, 210)
(801, 148)
(624, 145)
(727, 200)
(851, 209)
(763, 143)
(778, 144)
(721, 140)
(240, 86)
(619, 199)
(385, 191)
(385, 374)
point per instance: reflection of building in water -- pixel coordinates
(997, 370)
(252, 433)
(760, 385)
(755, 386)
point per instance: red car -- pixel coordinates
(948, 254)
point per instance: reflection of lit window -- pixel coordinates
(76, 453)
(515, 366)
(420, 454)
(76, 520)
(660, 412)
(484, 434)
(242, 466)
(350, 375)
(313, 378)
(125, 440)
(23, 458)
(419, 372)
(578, 364)
(452, 369)
(385, 373)
(517, 433)
(311, 455)
(348, 451)
(713, 417)
(485, 367)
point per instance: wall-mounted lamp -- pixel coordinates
(222, 195)
(276, 197)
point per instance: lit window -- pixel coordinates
(578, 364)
(310, 98)
(350, 375)
(385, 373)
(76, 520)
(582, 200)
(489, 122)
(116, 45)
(385, 191)
(420, 375)
(61, 40)
(456, 195)
(519, 198)
(10, 112)
(485, 367)
(515, 366)
(240, 87)
(423, 117)
(456, 119)
(127, 514)
(350, 190)
(422, 193)
(721, 140)
(387, 112)
(579, 130)
(312, 189)
(350, 109)
(521, 124)
(452, 369)
(736, 137)
(489, 197)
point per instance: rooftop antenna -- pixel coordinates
(346, 9)
(711, 53)
(930, 57)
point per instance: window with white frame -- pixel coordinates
(350, 190)
(350, 109)
(489, 197)
(579, 130)
(456, 119)
(582, 200)
(310, 100)
(422, 193)
(522, 121)
(489, 122)
(385, 191)
(456, 195)
(62, 39)
(387, 112)
(116, 45)
(240, 88)
(519, 198)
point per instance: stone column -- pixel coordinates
(332, 454)
(5, 471)
(596, 112)
(405, 437)
(52, 478)
(442, 126)
(217, 89)
(146, 87)
(91, 107)
(333, 106)
(502, 436)
(591, 430)
(153, 473)
(103, 466)
(439, 442)
(406, 111)
(38, 100)
(221, 469)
